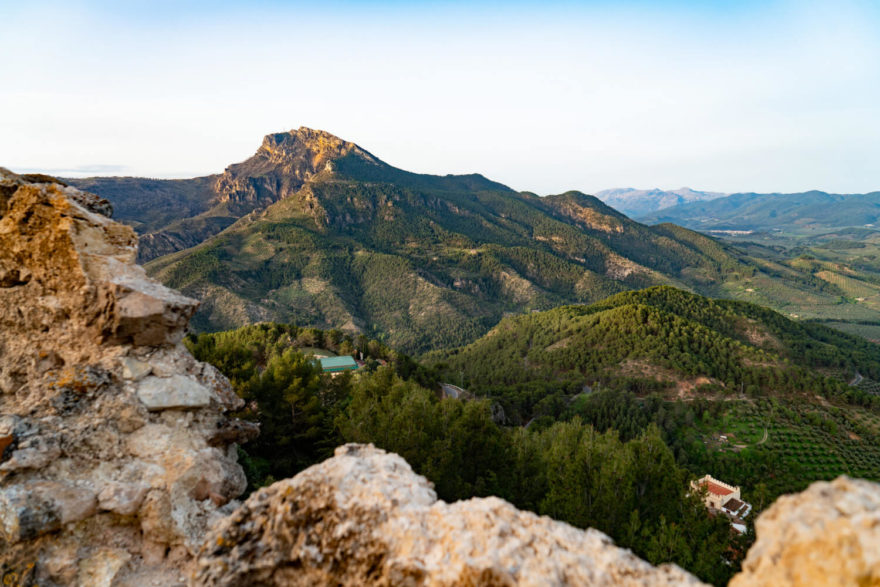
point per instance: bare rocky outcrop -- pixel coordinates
(364, 518)
(115, 453)
(281, 166)
(826, 535)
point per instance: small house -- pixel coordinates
(724, 498)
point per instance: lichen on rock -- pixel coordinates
(116, 452)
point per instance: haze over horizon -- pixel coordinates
(720, 96)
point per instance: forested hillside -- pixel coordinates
(629, 487)
(737, 389)
(660, 339)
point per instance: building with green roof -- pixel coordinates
(338, 364)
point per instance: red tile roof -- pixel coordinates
(716, 489)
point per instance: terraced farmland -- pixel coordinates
(815, 442)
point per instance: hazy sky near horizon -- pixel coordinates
(546, 97)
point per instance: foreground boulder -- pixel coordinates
(115, 453)
(364, 518)
(826, 535)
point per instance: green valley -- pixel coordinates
(845, 259)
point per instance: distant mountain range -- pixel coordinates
(801, 212)
(317, 231)
(635, 203)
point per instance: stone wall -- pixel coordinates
(115, 452)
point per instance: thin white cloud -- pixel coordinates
(78, 171)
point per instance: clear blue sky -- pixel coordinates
(550, 96)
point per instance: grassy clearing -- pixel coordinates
(742, 425)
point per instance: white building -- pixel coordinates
(724, 498)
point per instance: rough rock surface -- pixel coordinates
(281, 166)
(364, 518)
(115, 453)
(826, 535)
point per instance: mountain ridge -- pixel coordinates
(635, 202)
(813, 210)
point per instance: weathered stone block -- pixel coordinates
(33, 452)
(25, 514)
(147, 313)
(133, 369)
(74, 502)
(175, 392)
(100, 569)
(122, 498)
(156, 521)
(28, 511)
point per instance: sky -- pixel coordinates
(546, 96)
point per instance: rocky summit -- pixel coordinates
(115, 450)
(177, 214)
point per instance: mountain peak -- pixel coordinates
(284, 162)
(309, 148)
